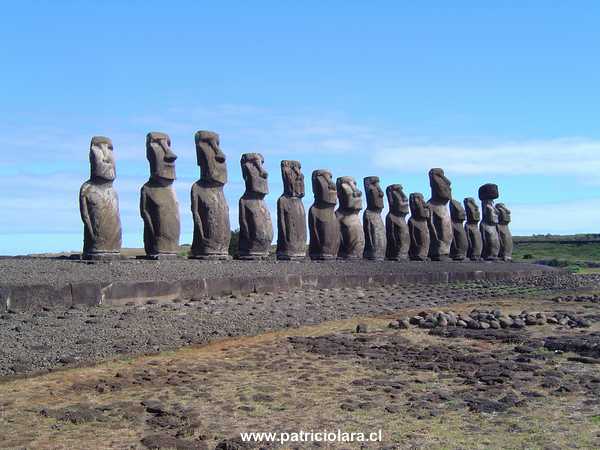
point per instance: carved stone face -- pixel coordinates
(503, 214)
(418, 207)
(102, 160)
(160, 156)
(255, 176)
(490, 215)
(472, 210)
(374, 193)
(397, 199)
(457, 212)
(349, 196)
(324, 188)
(293, 179)
(440, 186)
(211, 159)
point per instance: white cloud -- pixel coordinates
(564, 156)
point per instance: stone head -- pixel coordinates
(488, 191)
(457, 212)
(472, 210)
(440, 185)
(212, 161)
(374, 193)
(324, 188)
(349, 196)
(418, 207)
(102, 160)
(490, 215)
(293, 179)
(255, 175)
(160, 156)
(503, 214)
(397, 200)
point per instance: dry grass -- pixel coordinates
(296, 391)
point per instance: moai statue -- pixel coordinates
(418, 228)
(440, 224)
(158, 204)
(475, 245)
(506, 241)
(398, 237)
(99, 204)
(352, 243)
(373, 227)
(489, 225)
(209, 206)
(460, 244)
(324, 229)
(291, 217)
(256, 229)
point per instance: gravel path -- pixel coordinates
(58, 337)
(58, 272)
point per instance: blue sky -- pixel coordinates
(507, 93)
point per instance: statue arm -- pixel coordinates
(482, 232)
(196, 214)
(368, 231)
(144, 211)
(85, 215)
(243, 220)
(314, 233)
(390, 235)
(413, 246)
(432, 228)
(469, 240)
(281, 221)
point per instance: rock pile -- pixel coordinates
(479, 319)
(592, 298)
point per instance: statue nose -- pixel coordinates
(169, 155)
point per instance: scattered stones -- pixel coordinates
(495, 319)
(362, 328)
(165, 441)
(585, 345)
(38, 341)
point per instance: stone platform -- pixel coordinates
(33, 283)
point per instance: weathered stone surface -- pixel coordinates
(158, 204)
(352, 242)
(398, 237)
(373, 227)
(489, 225)
(506, 240)
(323, 225)
(418, 227)
(460, 244)
(291, 216)
(210, 211)
(488, 191)
(475, 245)
(440, 224)
(256, 228)
(99, 204)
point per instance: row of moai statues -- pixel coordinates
(434, 231)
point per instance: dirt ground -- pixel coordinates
(536, 387)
